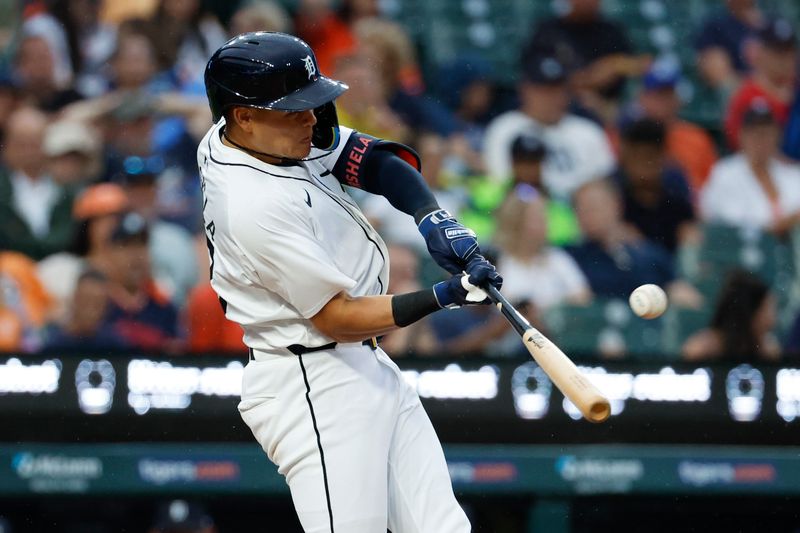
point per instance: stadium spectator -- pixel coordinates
(656, 198)
(328, 35)
(466, 87)
(528, 153)
(595, 51)
(184, 35)
(134, 63)
(171, 246)
(351, 11)
(25, 305)
(181, 516)
(96, 212)
(773, 79)
(132, 129)
(475, 329)
(208, 330)
(722, 44)
(791, 346)
(139, 312)
(84, 327)
(364, 106)
(120, 11)
(38, 22)
(791, 137)
(614, 261)
(534, 271)
(90, 43)
(404, 277)
(754, 188)
(35, 76)
(35, 211)
(687, 144)
(578, 150)
(10, 98)
(263, 15)
(387, 46)
(742, 325)
(73, 153)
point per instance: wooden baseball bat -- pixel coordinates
(563, 372)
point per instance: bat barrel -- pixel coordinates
(562, 371)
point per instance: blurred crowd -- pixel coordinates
(583, 180)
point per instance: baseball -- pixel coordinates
(648, 301)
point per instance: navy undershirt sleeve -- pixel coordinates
(400, 183)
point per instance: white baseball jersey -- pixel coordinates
(577, 150)
(283, 241)
(342, 425)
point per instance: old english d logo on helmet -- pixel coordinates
(269, 70)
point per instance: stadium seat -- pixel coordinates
(724, 248)
(679, 324)
(607, 326)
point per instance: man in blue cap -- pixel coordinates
(687, 144)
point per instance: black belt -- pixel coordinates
(299, 349)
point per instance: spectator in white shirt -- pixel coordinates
(534, 271)
(578, 149)
(35, 212)
(754, 188)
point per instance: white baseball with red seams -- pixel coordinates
(648, 301)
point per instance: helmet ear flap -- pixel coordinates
(326, 131)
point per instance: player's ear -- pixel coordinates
(243, 117)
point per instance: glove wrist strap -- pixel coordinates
(424, 211)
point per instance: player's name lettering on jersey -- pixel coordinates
(355, 157)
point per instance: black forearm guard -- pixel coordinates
(410, 307)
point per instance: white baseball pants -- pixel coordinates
(351, 437)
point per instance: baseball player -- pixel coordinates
(296, 263)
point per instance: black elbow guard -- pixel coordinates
(352, 166)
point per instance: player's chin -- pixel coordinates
(302, 149)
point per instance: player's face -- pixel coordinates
(287, 134)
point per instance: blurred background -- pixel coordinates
(594, 146)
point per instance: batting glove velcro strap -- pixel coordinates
(450, 244)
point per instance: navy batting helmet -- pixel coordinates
(270, 70)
